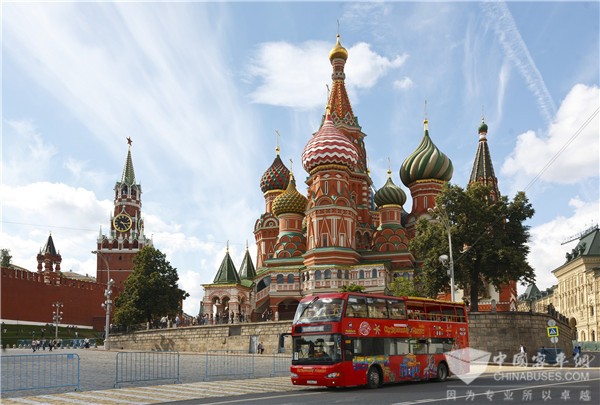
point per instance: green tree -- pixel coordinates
(6, 258)
(352, 288)
(489, 241)
(404, 287)
(151, 290)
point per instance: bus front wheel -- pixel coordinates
(442, 372)
(373, 378)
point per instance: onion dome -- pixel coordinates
(390, 194)
(276, 177)
(483, 128)
(290, 201)
(329, 146)
(427, 162)
(338, 51)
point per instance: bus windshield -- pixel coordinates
(319, 310)
(321, 349)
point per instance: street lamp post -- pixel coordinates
(448, 262)
(107, 299)
(56, 316)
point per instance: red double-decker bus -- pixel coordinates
(352, 339)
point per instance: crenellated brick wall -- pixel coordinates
(28, 296)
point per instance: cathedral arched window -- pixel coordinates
(374, 273)
(347, 275)
(361, 274)
(327, 274)
(280, 279)
(318, 275)
(326, 187)
(339, 274)
(290, 278)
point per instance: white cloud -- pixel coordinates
(403, 84)
(21, 142)
(547, 252)
(564, 155)
(290, 74)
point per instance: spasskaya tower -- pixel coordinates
(125, 238)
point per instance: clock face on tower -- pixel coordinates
(122, 222)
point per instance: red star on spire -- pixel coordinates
(129, 141)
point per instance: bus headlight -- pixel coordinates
(293, 375)
(333, 375)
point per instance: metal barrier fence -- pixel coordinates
(588, 346)
(281, 365)
(229, 363)
(146, 366)
(38, 371)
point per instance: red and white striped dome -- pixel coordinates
(329, 146)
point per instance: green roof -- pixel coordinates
(227, 273)
(247, 270)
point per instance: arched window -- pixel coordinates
(339, 274)
(326, 187)
(361, 274)
(290, 279)
(327, 274)
(318, 275)
(347, 275)
(280, 279)
(374, 273)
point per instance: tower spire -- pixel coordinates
(128, 176)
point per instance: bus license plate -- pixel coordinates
(311, 381)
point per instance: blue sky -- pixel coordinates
(202, 87)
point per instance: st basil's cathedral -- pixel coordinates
(342, 231)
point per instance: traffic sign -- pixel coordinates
(551, 322)
(552, 331)
(554, 339)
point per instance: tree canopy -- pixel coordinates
(352, 288)
(404, 287)
(151, 290)
(5, 257)
(489, 242)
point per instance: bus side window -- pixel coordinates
(397, 309)
(460, 314)
(357, 306)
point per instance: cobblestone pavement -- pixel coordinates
(98, 370)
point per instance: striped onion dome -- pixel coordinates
(276, 177)
(329, 146)
(427, 162)
(290, 201)
(390, 194)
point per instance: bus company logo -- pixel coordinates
(468, 364)
(364, 328)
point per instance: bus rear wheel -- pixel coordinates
(442, 372)
(373, 378)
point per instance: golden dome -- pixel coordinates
(338, 51)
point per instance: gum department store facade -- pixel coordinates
(342, 231)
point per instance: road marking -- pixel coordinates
(233, 401)
(164, 393)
